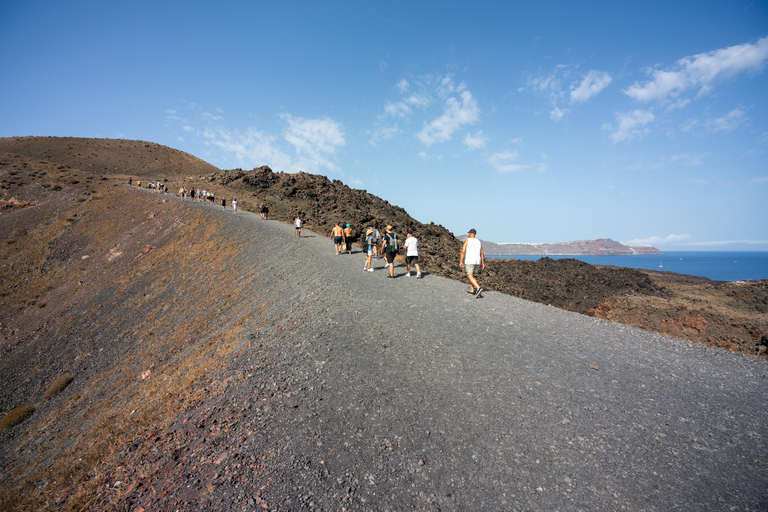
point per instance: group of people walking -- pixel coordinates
(471, 259)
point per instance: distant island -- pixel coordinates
(599, 247)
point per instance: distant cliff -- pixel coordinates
(599, 247)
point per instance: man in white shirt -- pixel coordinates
(412, 255)
(472, 257)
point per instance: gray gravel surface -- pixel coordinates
(369, 393)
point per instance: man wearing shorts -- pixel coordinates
(338, 237)
(411, 255)
(471, 260)
(297, 225)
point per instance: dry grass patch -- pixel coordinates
(16, 416)
(58, 386)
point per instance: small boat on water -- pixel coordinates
(661, 265)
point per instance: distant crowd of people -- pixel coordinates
(374, 245)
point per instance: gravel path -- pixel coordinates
(369, 393)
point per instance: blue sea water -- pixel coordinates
(716, 265)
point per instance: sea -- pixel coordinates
(715, 265)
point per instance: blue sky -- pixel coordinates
(645, 122)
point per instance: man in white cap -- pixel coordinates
(472, 258)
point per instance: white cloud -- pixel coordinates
(726, 242)
(688, 160)
(455, 115)
(630, 125)
(700, 72)
(759, 181)
(426, 156)
(399, 109)
(314, 139)
(383, 133)
(504, 161)
(557, 113)
(402, 86)
(727, 123)
(590, 86)
(475, 141)
(658, 240)
(250, 147)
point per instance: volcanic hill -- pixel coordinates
(158, 354)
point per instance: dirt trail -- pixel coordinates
(404, 394)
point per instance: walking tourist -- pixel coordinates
(348, 238)
(471, 260)
(389, 247)
(411, 245)
(368, 246)
(338, 237)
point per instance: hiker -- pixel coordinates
(297, 225)
(338, 237)
(411, 255)
(263, 211)
(348, 238)
(130, 181)
(368, 246)
(192, 194)
(389, 246)
(375, 236)
(472, 257)
(234, 204)
(223, 203)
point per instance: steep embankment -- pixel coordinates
(136, 300)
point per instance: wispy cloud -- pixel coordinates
(728, 122)
(315, 140)
(557, 114)
(476, 140)
(630, 125)
(659, 240)
(383, 133)
(590, 86)
(456, 114)
(504, 161)
(763, 180)
(700, 72)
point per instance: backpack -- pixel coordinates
(392, 245)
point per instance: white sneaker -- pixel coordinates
(370, 270)
(408, 274)
(365, 268)
(418, 275)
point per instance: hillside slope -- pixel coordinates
(726, 315)
(219, 363)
